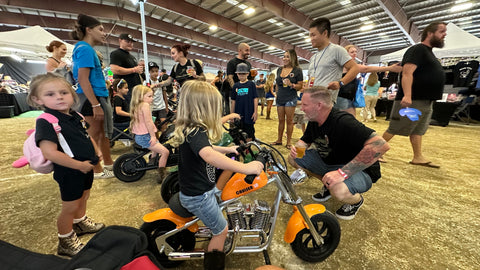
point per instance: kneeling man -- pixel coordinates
(341, 151)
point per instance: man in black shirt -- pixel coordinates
(124, 65)
(163, 77)
(342, 152)
(243, 53)
(421, 83)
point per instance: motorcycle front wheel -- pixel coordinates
(170, 186)
(181, 241)
(125, 167)
(327, 226)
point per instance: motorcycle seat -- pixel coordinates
(177, 208)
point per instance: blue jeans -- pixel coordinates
(143, 140)
(343, 103)
(206, 208)
(357, 183)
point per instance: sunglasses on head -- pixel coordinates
(120, 83)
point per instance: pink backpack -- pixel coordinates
(32, 154)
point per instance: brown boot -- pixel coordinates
(162, 173)
(69, 246)
(214, 260)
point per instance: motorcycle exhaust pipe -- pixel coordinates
(198, 255)
(182, 256)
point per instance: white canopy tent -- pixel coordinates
(458, 43)
(29, 43)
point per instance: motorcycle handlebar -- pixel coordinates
(262, 157)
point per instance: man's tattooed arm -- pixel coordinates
(372, 150)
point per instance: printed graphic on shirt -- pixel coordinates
(210, 172)
(242, 91)
(322, 146)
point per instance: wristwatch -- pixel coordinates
(341, 83)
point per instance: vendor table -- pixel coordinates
(18, 100)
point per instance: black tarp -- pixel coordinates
(21, 72)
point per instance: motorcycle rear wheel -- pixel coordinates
(181, 241)
(170, 186)
(328, 228)
(125, 167)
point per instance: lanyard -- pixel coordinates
(315, 63)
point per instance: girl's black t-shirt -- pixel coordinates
(122, 103)
(195, 175)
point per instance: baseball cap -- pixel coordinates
(242, 68)
(153, 65)
(125, 36)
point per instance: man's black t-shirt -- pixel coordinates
(195, 175)
(75, 133)
(122, 103)
(428, 77)
(232, 67)
(339, 139)
(124, 59)
(180, 74)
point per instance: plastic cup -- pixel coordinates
(300, 151)
(190, 71)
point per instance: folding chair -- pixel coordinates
(464, 109)
(121, 132)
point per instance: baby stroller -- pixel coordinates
(121, 132)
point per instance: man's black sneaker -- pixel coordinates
(322, 196)
(348, 211)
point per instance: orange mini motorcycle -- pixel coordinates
(175, 235)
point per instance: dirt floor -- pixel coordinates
(413, 218)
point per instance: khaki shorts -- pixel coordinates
(401, 125)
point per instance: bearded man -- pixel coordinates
(422, 81)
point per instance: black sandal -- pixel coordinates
(276, 143)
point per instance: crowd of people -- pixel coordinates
(340, 151)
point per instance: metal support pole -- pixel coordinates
(144, 39)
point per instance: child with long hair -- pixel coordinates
(270, 93)
(142, 125)
(198, 126)
(371, 96)
(74, 175)
(92, 91)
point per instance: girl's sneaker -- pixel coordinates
(104, 175)
(69, 246)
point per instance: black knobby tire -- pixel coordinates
(181, 241)
(305, 247)
(170, 186)
(125, 167)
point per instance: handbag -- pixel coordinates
(359, 101)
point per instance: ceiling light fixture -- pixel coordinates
(271, 20)
(366, 27)
(249, 11)
(233, 2)
(345, 2)
(279, 24)
(213, 27)
(308, 39)
(242, 6)
(271, 47)
(461, 7)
